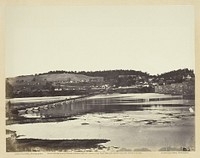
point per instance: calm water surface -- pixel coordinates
(130, 121)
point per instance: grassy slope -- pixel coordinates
(49, 77)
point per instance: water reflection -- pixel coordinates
(96, 105)
(127, 121)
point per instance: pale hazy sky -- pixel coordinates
(152, 39)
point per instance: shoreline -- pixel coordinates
(16, 113)
(156, 127)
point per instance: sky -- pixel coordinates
(153, 39)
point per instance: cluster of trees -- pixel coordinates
(113, 74)
(177, 75)
(59, 72)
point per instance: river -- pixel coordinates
(130, 121)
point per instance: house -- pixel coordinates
(188, 77)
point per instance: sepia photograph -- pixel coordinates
(100, 78)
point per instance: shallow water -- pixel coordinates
(39, 99)
(129, 121)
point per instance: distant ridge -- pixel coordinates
(76, 83)
(108, 74)
(117, 71)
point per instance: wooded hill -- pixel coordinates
(82, 81)
(177, 75)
